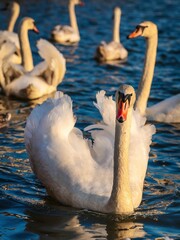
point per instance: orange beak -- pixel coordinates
(136, 33)
(35, 29)
(122, 111)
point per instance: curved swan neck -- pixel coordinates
(148, 72)
(72, 16)
(121, 197)
(27, 59)
(14, 15)
(116, 24)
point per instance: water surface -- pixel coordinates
(26, 212)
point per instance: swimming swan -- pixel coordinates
(80, 174)
(26, 81)
(11, 36)
(167, 110)
(113, 50)
(68, 34)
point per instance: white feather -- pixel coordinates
(73, 170)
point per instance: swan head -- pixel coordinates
(125, 99)
(145, 29)
(117, 11)
(29, 24)
(14, 6)
(76, 2)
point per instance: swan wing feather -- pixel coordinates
(52, 70)
(8, 70)
(10, 36)
(74, 172)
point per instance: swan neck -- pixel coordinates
(121, 196)
(148, 72)
(13, 18)
(116, 32)
(72, 15)
(27, 59)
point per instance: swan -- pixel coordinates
(4, 119)
(26, 81)
(113, 50)
(167, 110)
(68, 34)
(80, 174)
(10, 35)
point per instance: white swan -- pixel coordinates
(80, 174)
(68, 34)
(26, 81)
(10, 35)
(113, 50)
(167, 110)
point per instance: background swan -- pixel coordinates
(167, 110)
(9, 35)
(113, 50)
(73, 170)
(68, 34)
(26, 81)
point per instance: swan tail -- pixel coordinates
(54, 59)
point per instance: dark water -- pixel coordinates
(26, 212)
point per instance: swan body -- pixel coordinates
(113, 50)
(73, 169)
(167, 110)
(26, 81)
(68, 34)
(10, 36)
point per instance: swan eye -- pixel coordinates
(124, 98)
(138, 27)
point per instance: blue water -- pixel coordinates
(26, 212)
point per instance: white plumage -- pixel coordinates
(167, 110)
(29, 82)
(73, 170)
(113, 50)
(10, 36)
(68, 34)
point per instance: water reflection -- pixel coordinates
(62, 223)
(124, 230)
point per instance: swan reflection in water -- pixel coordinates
(67, 225)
